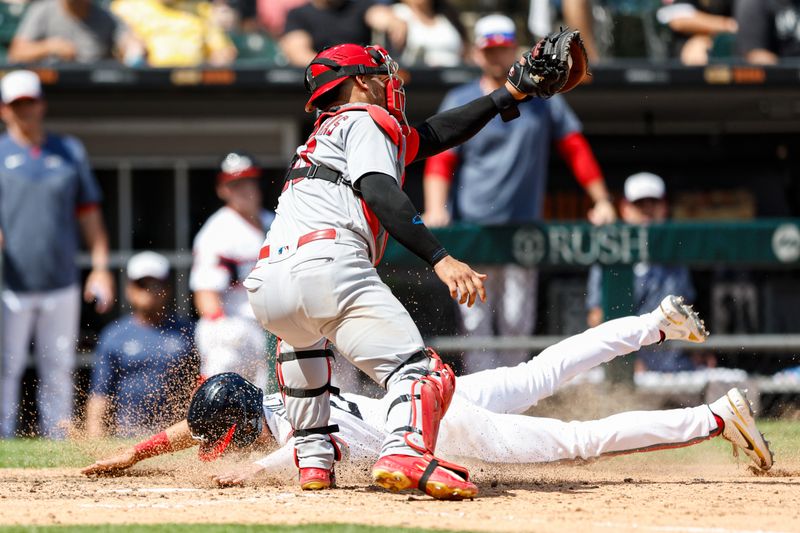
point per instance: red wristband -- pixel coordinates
(155, 445)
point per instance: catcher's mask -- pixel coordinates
(333, 65)
(236, 166)
(226, 409)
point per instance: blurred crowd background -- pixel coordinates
(435, 33)
(170, 230)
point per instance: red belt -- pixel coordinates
(318, 235)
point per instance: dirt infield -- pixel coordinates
(622, 494)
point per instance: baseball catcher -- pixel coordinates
(316, 282)
(227, 412)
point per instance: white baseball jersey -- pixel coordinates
(483, 421)
(225, 250)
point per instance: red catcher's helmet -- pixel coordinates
(333, 65)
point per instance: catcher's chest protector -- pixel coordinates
(403, 137)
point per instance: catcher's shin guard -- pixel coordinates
(429, 394)
(304, 378)
(430, 397)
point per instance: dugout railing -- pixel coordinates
(761, 244)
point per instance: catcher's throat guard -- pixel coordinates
(335, 64)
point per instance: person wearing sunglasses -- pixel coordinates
(145, 365)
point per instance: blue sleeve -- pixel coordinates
(684, 285)
(105, 367)
(89, 190)
(562, 119)
(449, 101)
(594, 287)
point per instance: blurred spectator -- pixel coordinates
(145, 367)
(498, 177)
(322, 23)
(645, 202)
(768, 30)
(697, 23)
(225, 250)
(272, 14)
(578, 15)
(48, 195)
(435, 37)
(71, 30)
(235, 15)
(180, 34)
(540, 16)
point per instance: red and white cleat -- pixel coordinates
(317, 479)
(434, 477)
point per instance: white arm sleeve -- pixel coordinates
(280, 463)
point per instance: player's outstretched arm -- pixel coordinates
(455, 126)
(278, 463)
(174, 438)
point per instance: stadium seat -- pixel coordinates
(10, 15)
(257, 48)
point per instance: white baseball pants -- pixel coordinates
(52, 319)
(481, 424)
(328, 290)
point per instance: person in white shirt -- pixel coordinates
(225, 250)
(435, 36)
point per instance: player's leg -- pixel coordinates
(303, 363)
(18, 318)
(478, 321)
(515, 389)
(469, 430)
(516, 310)
(56, 337)
(304, 379)
(375, 332)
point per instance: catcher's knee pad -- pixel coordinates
(304, 379)
(430, 394)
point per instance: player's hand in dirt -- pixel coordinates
(112, 465)
(465, 284)
(238, 476)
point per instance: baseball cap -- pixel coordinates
(148, 265)
(236, 166)
(20, 84)
(495, 30)
(644, 185)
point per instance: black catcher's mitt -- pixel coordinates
(555, 65)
